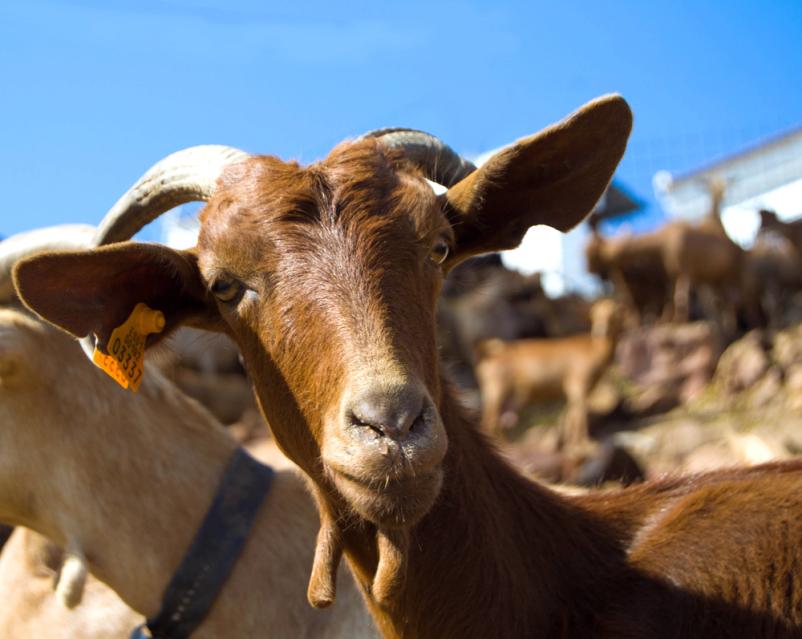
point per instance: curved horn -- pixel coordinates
(53, 238)
(189, 175)
(439, 161)
(185, 176)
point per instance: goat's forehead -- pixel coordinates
(265, 200)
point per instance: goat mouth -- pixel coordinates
(389, 501)
(388, 483)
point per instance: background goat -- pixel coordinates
(513, 374)
(661, 269)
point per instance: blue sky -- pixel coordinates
(94, 92)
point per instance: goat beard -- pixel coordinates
(392, 545)
(391, 571)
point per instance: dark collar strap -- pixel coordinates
(213, 552)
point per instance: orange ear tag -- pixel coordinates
(125, 362)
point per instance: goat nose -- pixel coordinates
(393, 414)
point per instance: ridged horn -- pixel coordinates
(439, 162)
(185, 176)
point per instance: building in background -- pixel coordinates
(767, 175)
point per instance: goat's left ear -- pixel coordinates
(94, 291)
(554, 177)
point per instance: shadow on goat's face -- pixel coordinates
(328, 278)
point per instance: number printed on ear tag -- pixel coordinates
(125, 361)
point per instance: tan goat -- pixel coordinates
(702, 257)
(121, 482)
(515, 374)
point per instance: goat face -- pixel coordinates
(327, 278)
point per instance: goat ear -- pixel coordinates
(95, 291)
(554, 177)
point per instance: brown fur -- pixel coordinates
(633, 264)
(339, 296)
(773, 277)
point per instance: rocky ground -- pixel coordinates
(676, 401)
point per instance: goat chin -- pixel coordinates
(392, 503)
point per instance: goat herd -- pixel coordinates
(330, 282)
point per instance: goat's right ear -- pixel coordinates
(94, 291)
(554, 177)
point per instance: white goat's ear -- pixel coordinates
(71, 579)
(554, 177)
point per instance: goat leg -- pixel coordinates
(328, 552)
(393, 547)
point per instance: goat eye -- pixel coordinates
(439, 252)
(227, 289)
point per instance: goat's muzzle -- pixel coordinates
(384, 453)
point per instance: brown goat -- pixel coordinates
(327, 278)
(662, 268)
(634, 265)
(773, 277)
(703, 257)
(514, 374)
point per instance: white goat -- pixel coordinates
(121, 482)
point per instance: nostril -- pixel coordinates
(418, 423)
(355, 420)
(392, 414)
